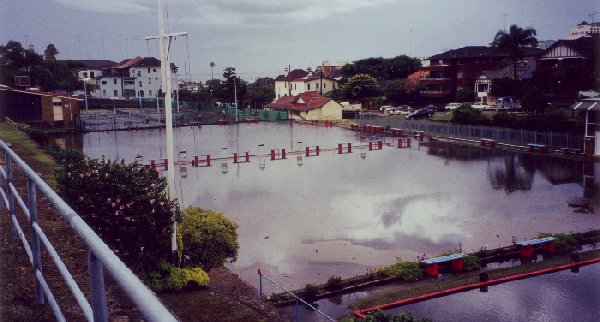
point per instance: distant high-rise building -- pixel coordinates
(584, 29)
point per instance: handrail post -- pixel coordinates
(9, 193)
(97, 290)
(35, 240)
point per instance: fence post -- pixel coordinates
(9, 194)
(35, 240)
(97, 291)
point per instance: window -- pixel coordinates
(84, 74)
(149, 80)
(115, 81)
(317, 85)
(140, 82)
(285, 84)
(150, 92)
(59, 103)
(294, 86)
(139, 73)
(141, 93)
(148, 70)
(91, 74)
(308, 86)
(104, 82)
(103, 92)
(324, 85)
(116, 93)
(459, 75)
(154, 70)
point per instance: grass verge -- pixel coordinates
(410, 290)
(29, 152)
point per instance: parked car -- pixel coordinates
(389, 110)
(481, 106)
(508, 102)
(404, 109)
(384, 107)
(452, 106)
(431, 108)
(419, 114)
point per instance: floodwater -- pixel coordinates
(561, 296)
(345, 215)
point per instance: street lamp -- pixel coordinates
(85, 80)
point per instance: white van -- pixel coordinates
(452, 106)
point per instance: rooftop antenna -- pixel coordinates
(126, 48)
(505, 15)
(593, 15)
(26, 41)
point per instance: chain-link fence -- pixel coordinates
(520, 137)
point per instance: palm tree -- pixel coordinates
(512, 42)
(212, 65)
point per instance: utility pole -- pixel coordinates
(235, 97)
(289, 80)
(165, 66)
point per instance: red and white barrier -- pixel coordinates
(241, 157)
(312, 151)
(404, 142)
(377, 146)
(344, 148)
(201, 161)
(278, 154)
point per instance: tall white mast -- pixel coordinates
(165, 71)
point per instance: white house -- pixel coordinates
(483, 83)
(138, 76)
(591, 107)
(301, 81)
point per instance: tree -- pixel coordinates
(360, 87)
(208, 237)
(395, 92)
(383, 68)
(465, 94)
(50, 52)
(212, 65)
(260, 93)
(512, 42)
(507, 87)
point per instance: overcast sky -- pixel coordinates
(261, 37)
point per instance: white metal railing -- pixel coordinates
(100, 257)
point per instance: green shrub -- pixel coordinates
(564, 243)
(126, 205)
(169, 278)
(404, 271)
(471, 263)
(465, 114)
(334, 282)
(64, 157)
(381, 316)
(208, 237)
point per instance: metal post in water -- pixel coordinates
(35, 240)
(99, 308)
(260, 286)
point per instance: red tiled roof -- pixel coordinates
(302, 102)
(127, 63)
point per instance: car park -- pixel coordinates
(452, 106)
(419, 114)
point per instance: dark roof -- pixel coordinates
(93, 63)
(302, 102)
(583, 45)
(482, 52)
(525, 69)
(296, 73)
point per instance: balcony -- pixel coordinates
(434, 80)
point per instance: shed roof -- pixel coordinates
(302, 102)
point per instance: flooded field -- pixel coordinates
(345, 215)
(562, 296)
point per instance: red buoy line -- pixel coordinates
(362, 313)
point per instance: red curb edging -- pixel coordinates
(361, 313)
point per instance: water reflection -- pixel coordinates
(340, 214)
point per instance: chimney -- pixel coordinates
(285, 72)
(309, 71)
